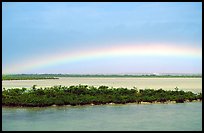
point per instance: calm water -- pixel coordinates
(181, 116)
(186, 84)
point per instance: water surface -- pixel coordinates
(186, 84)
(133, 117)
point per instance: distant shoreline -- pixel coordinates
(57, 76)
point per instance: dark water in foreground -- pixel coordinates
(180, 116)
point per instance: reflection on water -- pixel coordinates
(180, 116)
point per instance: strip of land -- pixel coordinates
(27, 77)
(84, 95)
(56, 76)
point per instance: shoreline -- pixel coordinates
(85, 105)
(104, 77)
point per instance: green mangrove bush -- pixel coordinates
(84, 94)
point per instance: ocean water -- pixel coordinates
(128, 117)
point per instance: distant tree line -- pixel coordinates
(84, 94)
(27, 77)
(55, 76)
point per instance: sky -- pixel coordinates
(101, 37)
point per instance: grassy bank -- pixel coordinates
(27, 77)
(83, 95)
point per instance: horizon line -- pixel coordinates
(108, 73)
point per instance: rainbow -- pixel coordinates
(105, 52)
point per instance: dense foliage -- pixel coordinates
(54, 76)
(83, 94)
(27, 77)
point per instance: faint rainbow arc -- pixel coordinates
(106, 51)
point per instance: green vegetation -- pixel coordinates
(27, 77)
(54, 76)
(83, 94)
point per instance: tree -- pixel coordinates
(176, 88)
(33, 87)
